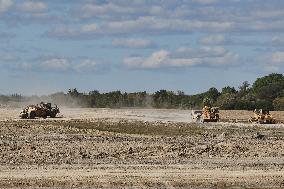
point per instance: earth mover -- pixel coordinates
(43, 110)
(262, 116)
(207, 114)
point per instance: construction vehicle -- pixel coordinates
(207, 114)
(42, 110)
(210, 114)
(262, 116)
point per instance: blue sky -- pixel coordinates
(188, 45)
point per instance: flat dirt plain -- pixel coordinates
(139, 148)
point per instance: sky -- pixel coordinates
(138, 45)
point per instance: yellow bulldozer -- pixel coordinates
(262, 116)
(207, 114)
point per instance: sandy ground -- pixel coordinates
(111, 114)
(163, 115)
(139, 148)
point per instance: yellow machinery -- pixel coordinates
(262, 116)
(207, 114)
(210, 114)
(43, 110)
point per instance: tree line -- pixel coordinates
(266, 92)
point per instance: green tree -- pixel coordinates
(244, 89)
(278, 103)
(269, 87)
(212, 93)
(228, 89)
(207, 101)
(73, 92)
(227, 101)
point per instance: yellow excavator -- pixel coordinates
(210, 114)
(207, 114)
(262, 116)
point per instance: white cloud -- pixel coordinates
(133, 43)
(156, 60)
(141, 25)
(90, 10)
(212, 51)
(153, 24)
(173, 17)
(228, 58)
(56, 64)
(209, 56)
(202, 52)
(86, 66)
(5, 5)
(186, 50)
(32, 6)
(205, 1)
(269, 62)
(90, 28)
(152, 17)
(53, 64)
(63, 32)
(213, 40)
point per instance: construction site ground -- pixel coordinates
(139, 148)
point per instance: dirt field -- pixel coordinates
(139, 148)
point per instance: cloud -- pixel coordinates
(90, 28)
(63, 32)
(205, 56)
(142, 25)
(212, 52)
(219, 39)
(56, 64)
(86, 66)
(205, 1)
(213, 40)
(269, 62)
(91, 19)
(32, 6)
(202, 52)
(95, 10)
(52, 64)
(31, 12)
(5, 5)
(133, 43)
(65, 65)
(156, 60)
